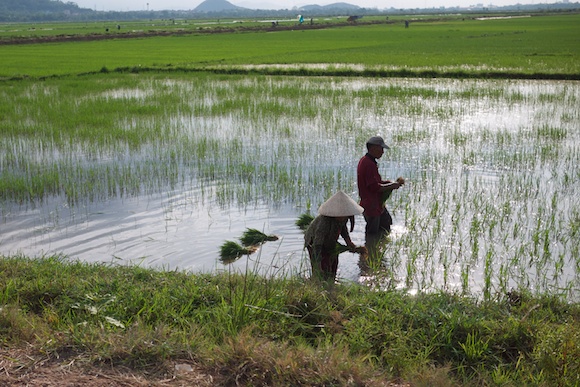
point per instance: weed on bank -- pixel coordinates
(282, 331)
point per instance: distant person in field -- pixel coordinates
(321, 236)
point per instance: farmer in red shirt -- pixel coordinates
(372, 188)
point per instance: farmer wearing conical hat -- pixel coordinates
(321, 237)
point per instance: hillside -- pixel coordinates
(216, 6)
(333, 6)
(225, 6)
(37, 6)
(29, 10)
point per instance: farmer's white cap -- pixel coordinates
(377, 140)
(339, 205)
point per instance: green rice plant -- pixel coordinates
(304, 221)
(500, 197)
(254, 237)
(230, 251)
(535, 46)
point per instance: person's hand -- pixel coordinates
(392, 186)
(361, 250)
(396, 184)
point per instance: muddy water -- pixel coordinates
(492, 200)
(167, 231)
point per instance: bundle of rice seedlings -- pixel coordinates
(360, 250)
(387, 194)
(304, 221)
(230, 251)
(253, 237)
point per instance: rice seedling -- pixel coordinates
(230, 251)
(491, 205)
(254, 237)
(304, 221)
(387, 194)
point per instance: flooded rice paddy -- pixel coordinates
(160, 170)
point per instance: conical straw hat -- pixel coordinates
(340, 204)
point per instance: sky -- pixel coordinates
(158, 5)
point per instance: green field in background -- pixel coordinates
(526, 45)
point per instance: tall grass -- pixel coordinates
(265, 330)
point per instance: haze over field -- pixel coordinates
(156, 5)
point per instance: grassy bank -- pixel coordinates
(254, 330)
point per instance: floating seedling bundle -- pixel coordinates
(231, 251)
(251, 239)
(304, 221)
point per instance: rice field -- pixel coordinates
(452, 46)
(160, 169)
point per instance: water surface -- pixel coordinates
(492, 200)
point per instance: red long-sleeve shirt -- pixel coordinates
(369, 180)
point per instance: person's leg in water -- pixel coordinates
(324, 265)
(379, 224)
(377, 228)
(386, 221)
(329, 267)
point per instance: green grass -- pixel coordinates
(284, 331)
(528, 46)
(10, 31)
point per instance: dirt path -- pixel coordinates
(153, 33)
(23, 368)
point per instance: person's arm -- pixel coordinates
(389, 186)
(346, 236)
(374, 182)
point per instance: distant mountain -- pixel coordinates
(216, 6)
(343, 6)
(44, 10)
(225, 6)
(37, 6)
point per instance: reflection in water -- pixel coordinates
(492, 199)
(167, 231)
(380, 268)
